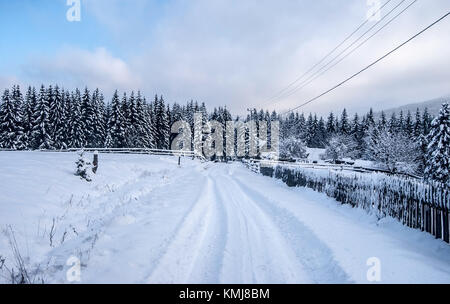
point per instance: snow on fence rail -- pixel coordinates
(129, 151)
(415, 203)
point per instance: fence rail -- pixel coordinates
(415, 203)
(180, 153)
(360, 169)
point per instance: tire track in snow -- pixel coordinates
(315, 256)
(195, 253)
(256, 250)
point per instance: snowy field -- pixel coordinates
(145, 220)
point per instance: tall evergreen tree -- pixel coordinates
(28, 110)
(41, 135)
(438, 150)
(161, 122)
(58, 118)
(418, 127)
(77, 128)
(117, 123)
(344, 124)
(88, 119)
(10, 129)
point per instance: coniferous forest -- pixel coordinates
(54, 118)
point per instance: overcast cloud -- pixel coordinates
(240, 53)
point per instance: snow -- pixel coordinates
(145, 220)
(315, 154)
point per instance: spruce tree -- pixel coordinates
(418, 127)
(117, 123)
(409, 126)
(98, 133)
(344, 125)
(28, 110)
(331, 127)
(10, 129)
(87, 118)
(58, 119)
(161, 124)
(41, 135)
(426, 122)
(438, 150)
(77, 128)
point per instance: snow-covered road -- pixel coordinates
(219, 223)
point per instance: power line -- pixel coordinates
(326, 56)
(290, 93)
(308, 80)
(370, 65)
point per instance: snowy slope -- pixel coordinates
(144, 220)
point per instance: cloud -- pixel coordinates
(240, 53)
(6, 82)
(74, 67)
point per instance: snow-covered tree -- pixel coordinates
(83, 167)
(117, 123)
(88, 119)
(77, 134)
(99, 127)
(161, 121)
(292, 148)
(344, 124)
(339, 147)
(395, 152)
(28, 109)
(10, 125)
(58, 118)
(438, 150)
(42, 129)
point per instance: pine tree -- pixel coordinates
(17, 100)
(42, 129)
(98, 133)
(28, 110)
(418, 127)
(144, 136)
(393, 124)
(370, 119)
(88, 119)
(331, 127)
(426, 122)
(383, 121)
(344, 125)
(161, 124)
(58, 119)
(117, 123)
(10, 129)
(77, 133)
(65, 133)
(409, 126)
(438, 150)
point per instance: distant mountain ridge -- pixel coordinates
(433, 106)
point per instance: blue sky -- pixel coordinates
(238, 53)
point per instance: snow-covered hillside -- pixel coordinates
(143, 219)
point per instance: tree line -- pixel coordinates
(54, 118)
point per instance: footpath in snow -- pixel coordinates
(145, 220)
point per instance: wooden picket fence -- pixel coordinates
(415, 203)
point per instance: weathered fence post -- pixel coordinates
(95, 162)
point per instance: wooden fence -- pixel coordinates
(415, 203)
